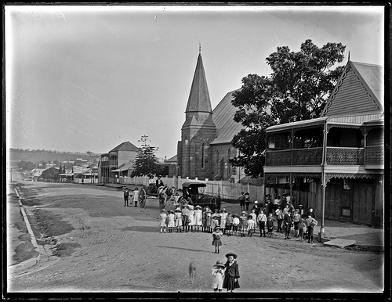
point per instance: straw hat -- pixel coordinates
(198, 207)
(231, 254)
(256, 201)
(208, 210)
(178, 210)
(219, 264)
(243, 212)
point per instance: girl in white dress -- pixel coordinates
(163, 220)
(170, 223)
(178, 219)
(191, 218)
(198, 218)
(223, 216)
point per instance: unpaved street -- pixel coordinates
(107, 247)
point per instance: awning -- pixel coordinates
(329, 176)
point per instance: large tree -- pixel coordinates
(146, 163)
(297, 89)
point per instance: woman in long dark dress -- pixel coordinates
(231, 273)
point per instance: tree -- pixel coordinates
(297, 89)
(26, 165)
(146, 163)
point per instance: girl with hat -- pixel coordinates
(232, 273)
(163, 216)
(198, 216)
(216, 239)
(178, 219)
(218, 272)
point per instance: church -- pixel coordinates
(205, 147)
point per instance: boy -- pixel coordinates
(270, 224)
(250, 225)
(310, 223)
(262, 220)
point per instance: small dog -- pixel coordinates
(192, 271)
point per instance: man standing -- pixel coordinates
(242, 201)
(135, 196)
(247, 201)
(126, 196)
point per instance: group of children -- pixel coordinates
(188, 218)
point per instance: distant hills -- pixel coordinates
(34, 156)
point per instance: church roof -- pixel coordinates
(125, 146)
(358, 91)
(222, 116)
(199, 98)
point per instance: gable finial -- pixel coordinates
(349, 56)
(199, 48)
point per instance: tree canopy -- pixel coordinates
(297, 89)
(146, 163)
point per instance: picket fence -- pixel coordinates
(224, 189)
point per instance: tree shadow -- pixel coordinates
(184, 249)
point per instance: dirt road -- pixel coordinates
(104, 246)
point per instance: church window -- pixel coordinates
(202, 155)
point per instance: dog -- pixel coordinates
(192, 271)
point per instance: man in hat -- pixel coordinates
(126, 196)
(232, 273)
(247, 201)
(217, 276)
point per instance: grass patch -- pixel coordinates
(24, 251)
(51, 224)
(65, 249)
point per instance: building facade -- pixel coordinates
(117, 162)
(205, 149)
(335, 163)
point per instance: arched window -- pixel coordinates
(202, 155)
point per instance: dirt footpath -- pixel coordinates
(100, 245)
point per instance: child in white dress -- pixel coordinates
(198, 218)
(178, 219)
(217, 276)
(170, 223)
(163, 216)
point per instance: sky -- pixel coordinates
(87, 78)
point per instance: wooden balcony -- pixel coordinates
(292, 157)
(374, 155)
(344, 156)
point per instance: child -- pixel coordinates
(310, 223)
(229, 223)
(217, 276)
(203, 219)
(208, 220)
(178, 219)
(270, 225)
(254, 215)
(296, 219)
(223, 217)
(198, 214)
(243, 224)
(250, 225)
(214, 221)
(287, 224)
(236, 222)
(262, 220)
(163, 220)
(184, 213)
(279, 217)
(216, 239)
(301, 228)
(191, 216)
(170, 221)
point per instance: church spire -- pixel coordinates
(199, 98)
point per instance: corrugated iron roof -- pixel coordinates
(222, 116)
(172, 159)
(125, 146)
(373, 75)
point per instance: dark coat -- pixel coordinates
(231, 273)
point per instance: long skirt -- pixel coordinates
(229, 283)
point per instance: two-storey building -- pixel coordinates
(335, 163)
(117, 162)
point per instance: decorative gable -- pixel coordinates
(354, 93)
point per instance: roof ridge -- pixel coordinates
(367, 64)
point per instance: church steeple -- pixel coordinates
(199, 98)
